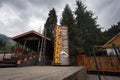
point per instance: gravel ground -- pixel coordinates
(95, 77)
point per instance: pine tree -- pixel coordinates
(50, 24)
(68, 21)
(111, 32)
(80, 26)
(86, 27)
(67, 17)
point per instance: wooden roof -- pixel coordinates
(30, 32)
(115, 40)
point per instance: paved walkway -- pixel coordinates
(95, 77)
(37, 73)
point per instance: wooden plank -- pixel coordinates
(105, 63)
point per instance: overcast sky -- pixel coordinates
(18, 16)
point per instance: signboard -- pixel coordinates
(61, 56)
(57, 46)
(64, 60)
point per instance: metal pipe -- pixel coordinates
(96, 64)
(41, 51)
(44, 46)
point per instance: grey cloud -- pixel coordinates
(107, 11)
(46, 3)
(25, 9)
(103, 4)
(11, 29)
(111, 13)
(20, 4)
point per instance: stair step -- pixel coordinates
(8, 62)
(8, 65)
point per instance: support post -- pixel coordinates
(38, 46)
(44, 46)
(116, 52)
(41, 52)
(119, 51)
(25, 43)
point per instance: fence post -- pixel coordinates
(78, 60)
(115, 49)
(84, 60)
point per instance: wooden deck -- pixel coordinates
(43, 73)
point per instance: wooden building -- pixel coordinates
(113, 45)
(38, 43)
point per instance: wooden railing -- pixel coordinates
(105, 63)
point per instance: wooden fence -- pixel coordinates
(105, 63)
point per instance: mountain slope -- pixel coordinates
(7, 40)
